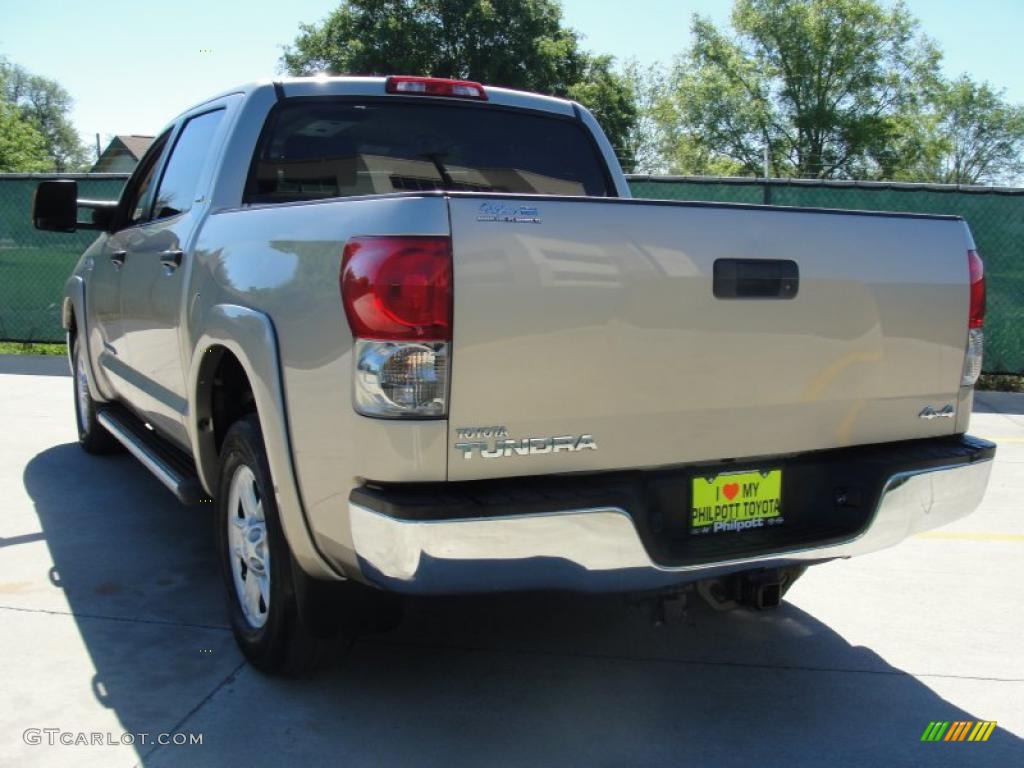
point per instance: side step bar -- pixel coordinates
(148, 449)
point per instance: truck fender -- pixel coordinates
(249, 335)
(74, 307)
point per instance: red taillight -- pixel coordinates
(977, 270)
(398, 288)
(435, 86)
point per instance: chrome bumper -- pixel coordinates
(600, 550)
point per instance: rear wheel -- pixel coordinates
(284, 621)
(92, 436)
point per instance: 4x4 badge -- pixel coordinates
(930, 413)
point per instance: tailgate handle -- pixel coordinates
(756, 279)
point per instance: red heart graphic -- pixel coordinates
(731, 490)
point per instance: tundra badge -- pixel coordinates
(499, 445)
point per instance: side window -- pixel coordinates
(141, 186)
(181, 176)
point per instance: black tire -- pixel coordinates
(284, 643)
(92, 436)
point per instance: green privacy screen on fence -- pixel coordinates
(34, 265)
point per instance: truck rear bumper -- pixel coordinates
(608, 546)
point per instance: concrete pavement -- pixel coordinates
(111, 621)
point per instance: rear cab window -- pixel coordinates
(321, 147)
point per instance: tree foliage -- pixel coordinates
(969, 134)
(513, 43)
(22, 147)
(46, 105)
(823, 84)
(605, 93)
(646, 141)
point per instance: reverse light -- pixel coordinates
(397, 296)
(435, 86)
(395, 379)
(975, 321)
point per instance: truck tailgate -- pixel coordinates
(599, 317)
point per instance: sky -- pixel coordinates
(132, 66)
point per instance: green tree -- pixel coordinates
(646, 140)
(968, 135)
(605, 93)
(513, 43)
(22, 147)
(47, 106)
(824, 85)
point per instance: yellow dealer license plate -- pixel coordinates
(736, 501)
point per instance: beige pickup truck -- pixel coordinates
(412, 335)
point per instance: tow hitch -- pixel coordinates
(760, 589)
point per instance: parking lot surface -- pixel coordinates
(113, 622)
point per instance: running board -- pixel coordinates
(149, 449)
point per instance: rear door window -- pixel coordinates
(181, 177)
(335, 148)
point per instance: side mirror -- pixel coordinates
(55, 208)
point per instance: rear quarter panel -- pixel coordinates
(284, 261)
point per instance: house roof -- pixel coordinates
(135, 144)
(122, 153)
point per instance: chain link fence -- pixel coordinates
(34, 265)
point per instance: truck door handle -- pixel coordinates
(117, 258)
(171, 259)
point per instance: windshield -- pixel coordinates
(330, 148)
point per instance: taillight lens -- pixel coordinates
(398, 288)
(435, 86)
(975, 320)
(397, 295)
(977, 270)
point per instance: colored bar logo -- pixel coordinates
(958, 730)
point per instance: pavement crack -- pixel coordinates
(176, 728)
(691, 662)
(126, 619)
